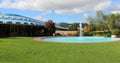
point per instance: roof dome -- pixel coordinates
(18, 19)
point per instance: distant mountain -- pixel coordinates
(66, 25)
(72, 26)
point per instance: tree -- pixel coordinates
(100, 22)
(106, 23)
(74, 26)
(50, 27)
(87, 28)
(114, 20)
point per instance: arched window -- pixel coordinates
(6, 17)
(18, 23)
(2, 17)
(36, 24)
(32, 23)
(25, 23)
(9, 22)
(1, 22)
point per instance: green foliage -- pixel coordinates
(116, 32)
(107, 34)
(102, 22)
(12, 30)
(13, 50)
(74, 26)
(87, 33)
(99, 22)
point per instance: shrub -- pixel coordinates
(50, 27)
(115, 31)
(87, 33)
(107, 34)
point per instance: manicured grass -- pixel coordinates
(26, 50)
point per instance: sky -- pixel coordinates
(69, 11)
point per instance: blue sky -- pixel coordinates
(69, 11)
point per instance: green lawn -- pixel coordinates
(26, 50)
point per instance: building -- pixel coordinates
(17, 25)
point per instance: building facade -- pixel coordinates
(17, 25)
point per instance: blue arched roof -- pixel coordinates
(18, 19)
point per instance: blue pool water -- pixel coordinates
(81, 39)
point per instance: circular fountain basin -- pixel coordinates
(81, 39)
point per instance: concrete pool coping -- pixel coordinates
(41, 39)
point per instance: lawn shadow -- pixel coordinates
(1, 41)
(10, 38)
(14, 38)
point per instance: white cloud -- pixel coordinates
(115, 12)
(58, 6)
(40, 18)
(86, 15)
(102, 6)
(45, 13)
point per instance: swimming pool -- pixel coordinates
(81, 39)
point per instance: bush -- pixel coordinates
(87, 34)
(50, 27)
(107, 34)
(115, 31)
